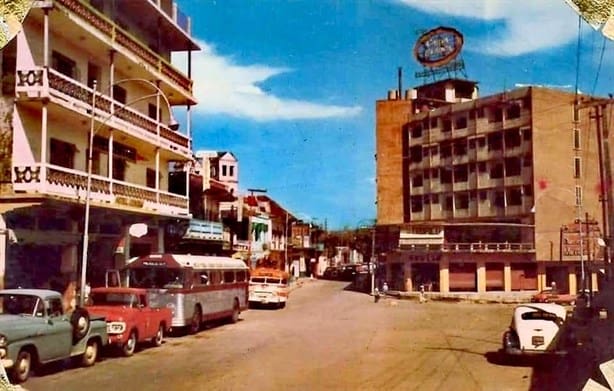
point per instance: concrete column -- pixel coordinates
(69, 267)
(407, 273)
(444, 276)
(507, 277)
(573, 282)
(481, 276)
(160, 238)
(542, 281)
(594, 281)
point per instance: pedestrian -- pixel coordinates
(553, 286)
(385, 288)
(376, 295)
(422, 295)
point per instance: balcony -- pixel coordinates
(40, 83)
(117, 36)
(488, 247)
(205, 230)
(71, 184)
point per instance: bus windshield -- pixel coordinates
(155, 278)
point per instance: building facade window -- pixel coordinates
(64, 64)
(151, 178)
(576, 138)
(62, 153)
(577, 167)
(578, 196)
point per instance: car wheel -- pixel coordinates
(22, 367)
(80, 321)
(159, 338)
(197, 319)
(130, 345)
(282, 304)
(91, 353)
(234, 318)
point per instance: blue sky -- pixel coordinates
(290, 86)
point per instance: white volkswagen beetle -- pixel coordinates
(537, 329)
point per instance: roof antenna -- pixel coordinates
(400, 80)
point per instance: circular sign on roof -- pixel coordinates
(438, 46)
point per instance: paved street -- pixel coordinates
(327, 338)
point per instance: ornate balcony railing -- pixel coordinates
(72, 184)
(41, 82)
(115, 33)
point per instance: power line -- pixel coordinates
(599, 66)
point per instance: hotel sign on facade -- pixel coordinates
(581, 238)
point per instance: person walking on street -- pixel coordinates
(385, 288)
(422, 295)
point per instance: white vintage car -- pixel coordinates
(537, 329)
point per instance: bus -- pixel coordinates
(196, 288)
(269, 286)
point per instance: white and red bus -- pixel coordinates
(197, 288)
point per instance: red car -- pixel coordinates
(550, 295)
(130, 317)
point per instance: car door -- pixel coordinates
(146, 318)
(55, 333)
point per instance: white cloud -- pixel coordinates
(224, 87)
(528, 26)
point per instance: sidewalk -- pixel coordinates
(476, 297)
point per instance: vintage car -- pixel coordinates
(35, 330)
(131, 317)
(550, 295)
(269, 286)
(537, 329)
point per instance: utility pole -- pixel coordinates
(605, 170)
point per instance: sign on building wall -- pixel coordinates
(580, 240)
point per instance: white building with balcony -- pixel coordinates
(79, 67)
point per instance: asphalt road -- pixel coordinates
(327, 338)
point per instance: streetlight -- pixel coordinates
(173, 125)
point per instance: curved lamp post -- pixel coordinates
(173, 125)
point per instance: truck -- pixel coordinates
(35, 329)
(132, 316)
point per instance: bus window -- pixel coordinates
(258, 280)
(215, 277)
(241, 276)
(201, 278)
(229, 276)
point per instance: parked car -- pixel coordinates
(549, 295)
(331, 273)
(131, 317)
(537, 329)
(35, 330)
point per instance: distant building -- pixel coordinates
(484, 194)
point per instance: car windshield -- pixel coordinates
(20, 305)
(114, 299)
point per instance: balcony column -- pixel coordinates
(158, 176)
(573, 280)
(43, 150)
(46, 38)
(111, 75)
(158, 119)
(4, 232)
(110, 162)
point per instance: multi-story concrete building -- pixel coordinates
(90, 68)
(478, 194)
